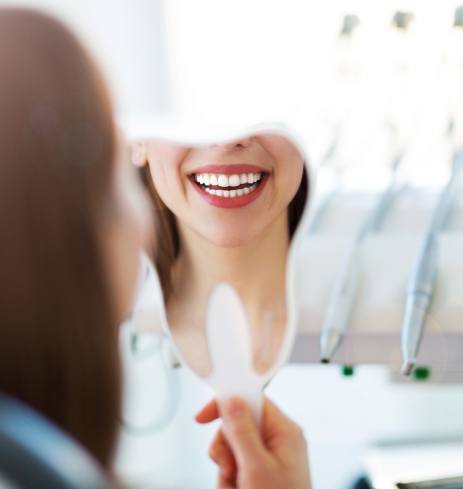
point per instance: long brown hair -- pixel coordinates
(58, 340)
(168, 248)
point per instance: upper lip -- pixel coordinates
(230, 169)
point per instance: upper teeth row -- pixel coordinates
(227, 180)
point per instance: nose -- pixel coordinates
(235, 145)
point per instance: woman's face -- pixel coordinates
(227, 193)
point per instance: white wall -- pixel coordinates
(127, 39)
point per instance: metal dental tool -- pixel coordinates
(341, 302)
(327, 198)
(329, 162)
(424, 272)
(350, 23)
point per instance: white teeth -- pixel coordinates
(234, 180)
(226, 181)
(222, 181)
(230, 194)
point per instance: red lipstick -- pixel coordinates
(229, 195)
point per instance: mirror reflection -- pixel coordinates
(226, 212)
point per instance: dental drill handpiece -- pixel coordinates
(419, 295)
(341, 301)
(350, 23)
(327, 198)
(422, 280)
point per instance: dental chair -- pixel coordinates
(34, 454)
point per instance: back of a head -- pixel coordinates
(58, 340)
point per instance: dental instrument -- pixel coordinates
(423, 277)
(350, 23)
(328, 196)
(341, 302)
(402, 19)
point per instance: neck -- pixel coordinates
(256, 270)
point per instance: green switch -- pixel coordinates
(421, 373)
(348, 371)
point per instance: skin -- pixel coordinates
(124, 235)
(231, 245)
(274, 457)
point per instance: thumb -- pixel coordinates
(242, 432)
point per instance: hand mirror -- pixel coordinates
(229, 214)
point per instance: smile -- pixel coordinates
(228, 189)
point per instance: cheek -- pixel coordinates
(138, 225)
(289, 165)
(131, 234)
(168, 185)
(291, 175)
(134, 209)
(159, 177)
(122, 255)
(132, 237)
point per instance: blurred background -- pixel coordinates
(370, 78)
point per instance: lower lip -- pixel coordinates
(232, 202)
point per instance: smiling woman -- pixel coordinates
(227, 211)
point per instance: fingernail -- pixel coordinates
(234, 407)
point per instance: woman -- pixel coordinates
(71, 233)
(227, 212)
(72, 224)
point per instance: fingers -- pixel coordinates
(242, 432)
(278, 429)
(275, 420)
(256, 456)
(210, 412)
(275, 424)
(221, 454)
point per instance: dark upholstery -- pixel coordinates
(35, 454)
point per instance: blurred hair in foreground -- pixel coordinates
(59, 342)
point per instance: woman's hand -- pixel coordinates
(275, 458)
